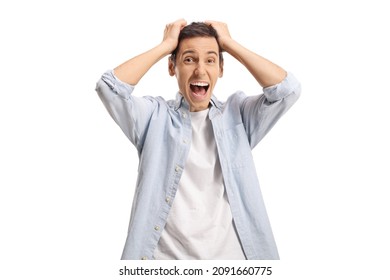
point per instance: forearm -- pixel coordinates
(264, 71)
(134, 69)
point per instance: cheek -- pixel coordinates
(181, 78)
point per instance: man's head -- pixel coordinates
(197, 63)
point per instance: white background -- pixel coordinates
(68, 173)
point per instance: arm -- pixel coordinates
(264, 71)
(115, 88)
(260, 112)
(134, 69)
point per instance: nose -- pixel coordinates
(200, 69)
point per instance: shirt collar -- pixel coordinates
(181, 102)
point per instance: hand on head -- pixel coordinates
(222, 30)
(172, 31)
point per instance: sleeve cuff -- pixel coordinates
(279, 91)
(124, 90)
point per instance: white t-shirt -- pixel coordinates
(200, 224)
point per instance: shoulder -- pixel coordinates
(233, 100)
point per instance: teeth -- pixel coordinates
(200, 84)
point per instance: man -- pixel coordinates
(197, 193)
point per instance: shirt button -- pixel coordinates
(167, 199)
(177, 168)
(185, 141)
(156, 228)
(184, 115)
(144, 258)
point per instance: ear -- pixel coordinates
(221, 69)
(171, 67)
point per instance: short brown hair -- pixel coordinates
(196, 29)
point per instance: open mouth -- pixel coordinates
(199, 88)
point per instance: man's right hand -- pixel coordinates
(135, 68)
(171, 33)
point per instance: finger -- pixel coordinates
(209, 22)
(180, 22)
(213, 22)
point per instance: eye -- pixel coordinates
(211, 60)
(188, 59)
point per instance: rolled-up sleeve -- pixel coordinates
(115, 85)
(260, 113)
(289, 86)
(131, 113)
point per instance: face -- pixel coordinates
(197, 70)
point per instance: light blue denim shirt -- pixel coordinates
(161, 132)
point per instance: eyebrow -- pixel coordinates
(192, 52)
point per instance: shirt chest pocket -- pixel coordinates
(238, 151)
